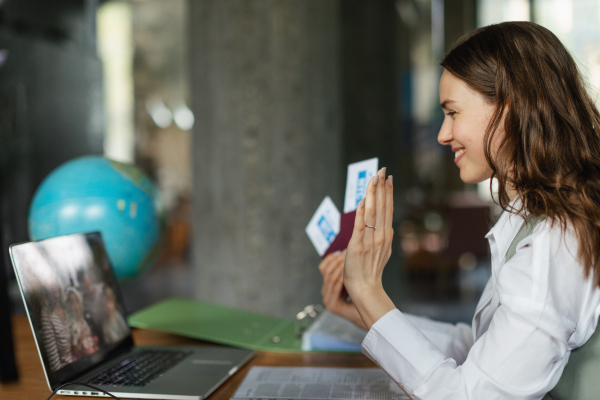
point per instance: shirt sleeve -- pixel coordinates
(453, 340)
(525, 348)
(514, 359)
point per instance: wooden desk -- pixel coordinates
(32, 383)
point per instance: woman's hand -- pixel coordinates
(334, 296)
(370, 249)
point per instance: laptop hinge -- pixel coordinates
(124, 347)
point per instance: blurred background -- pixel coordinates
(246, 113)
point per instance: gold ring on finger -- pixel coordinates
(369, 226)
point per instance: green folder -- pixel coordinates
(219, 324)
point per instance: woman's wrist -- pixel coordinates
(353, 316)
(372, 303)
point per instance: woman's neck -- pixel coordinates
(512, 194)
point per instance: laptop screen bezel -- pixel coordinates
(84, 365)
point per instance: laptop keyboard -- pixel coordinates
(140, 368)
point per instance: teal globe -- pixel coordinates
(93, 193)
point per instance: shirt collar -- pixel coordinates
(507, 227)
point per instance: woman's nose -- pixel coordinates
(445, 134)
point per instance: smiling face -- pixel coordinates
(467, 117)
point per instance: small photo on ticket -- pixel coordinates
(324, 226)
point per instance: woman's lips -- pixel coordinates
(461, 153)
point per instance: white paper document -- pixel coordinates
(318, 383)
(330, 332)
(359, 175)
(324, 226)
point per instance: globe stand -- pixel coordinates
(8, 367)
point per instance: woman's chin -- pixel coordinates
(467, 177)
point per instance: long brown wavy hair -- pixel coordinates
(549, 152)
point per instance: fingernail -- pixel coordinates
(362, 203)
(390, 180)
(382, 172)
(376, 179)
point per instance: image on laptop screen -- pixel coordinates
(72, 299)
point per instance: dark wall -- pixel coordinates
(370, 95)
(460, 17)
(50, 111)
(50, 97)
(51, 103)
(369, 91)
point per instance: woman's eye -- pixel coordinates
(451, 114)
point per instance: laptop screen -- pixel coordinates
(73, 302)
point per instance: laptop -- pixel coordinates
(77, 316)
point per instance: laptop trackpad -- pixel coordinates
(196, 375)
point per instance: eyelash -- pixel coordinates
(451, 114)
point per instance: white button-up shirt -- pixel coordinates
(534, 310)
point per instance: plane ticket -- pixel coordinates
(359, 175)
(324, 226)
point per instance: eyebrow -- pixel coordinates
(446, 102)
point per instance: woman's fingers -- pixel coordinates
(332, 262)
(370, 215)
(371, 201)
(389, 211)
(331, 291)
(337, 267)
(326, 264)
(380, 212)
(370, 245)
(328, 281)
(359, 226)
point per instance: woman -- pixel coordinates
(516, 109)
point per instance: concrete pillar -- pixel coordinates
(266, 147)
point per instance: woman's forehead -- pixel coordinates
(455, 90)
